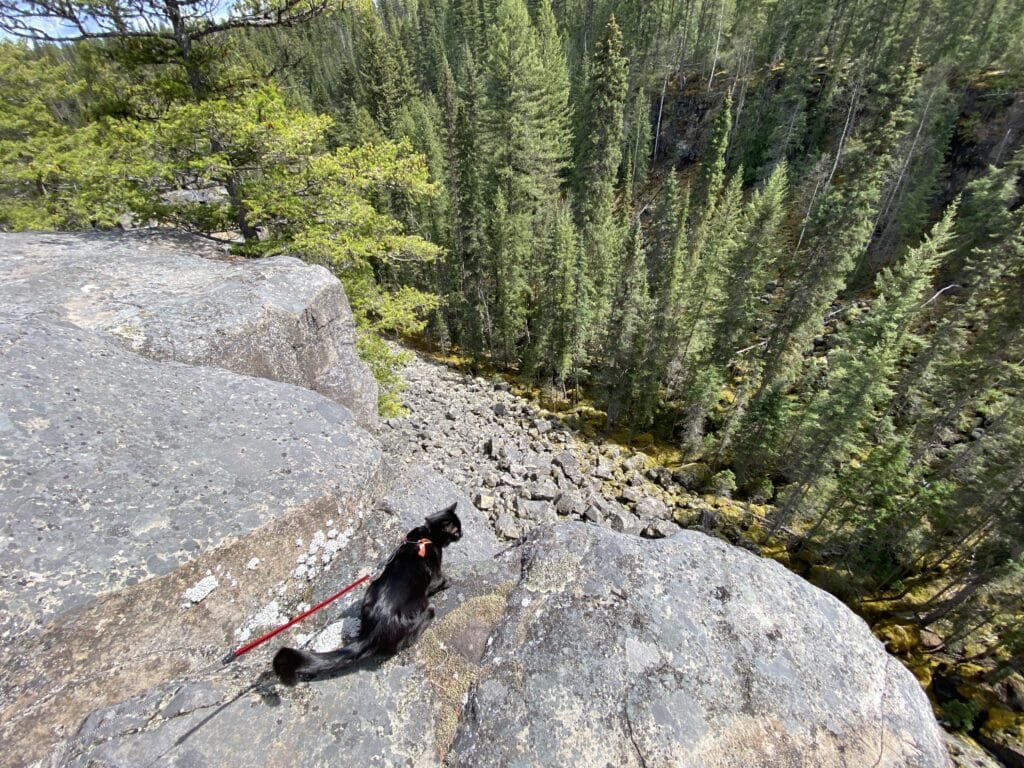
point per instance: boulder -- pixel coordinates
(132, 488)
(578, 647)
(117, 468)
(569, 465)
(173, 297)
(420, 492)
(684, 651)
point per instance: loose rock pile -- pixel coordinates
(525, 468)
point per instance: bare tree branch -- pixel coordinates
(65, 21)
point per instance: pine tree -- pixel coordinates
(559, 321)
(744, 312)
(839, 419)
(711, 167)
(596, 167)
(524, 121)
(383, 71)
(636, 148)
(835, 233)
(509, 247)
(553, 105)
(625, 373)
(666, 256)
(704, 293)
(471, 302)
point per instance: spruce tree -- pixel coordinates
(525, 138)
(744, 312)
(716, 240)
(553, 103)
(472, 300)
(666, 256)
(625, 375)
(710, 179)
(559, 320)
(839, 419)
(596, 167)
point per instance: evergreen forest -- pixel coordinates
(784, 238)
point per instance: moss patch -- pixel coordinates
(1000, 720)
(448, 670)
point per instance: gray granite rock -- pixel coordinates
(173, 297)
(421, 492)
(686, 652)
(402, 711)
(579, 647)
(569, 465)
(135, 493)
(116, 468)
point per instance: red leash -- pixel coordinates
(232, 655)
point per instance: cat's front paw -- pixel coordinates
(444, 583)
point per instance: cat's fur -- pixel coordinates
(395, 608)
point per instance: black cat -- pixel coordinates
(395, 609)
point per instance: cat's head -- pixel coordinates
(445, 526)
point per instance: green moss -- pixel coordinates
(449, 672)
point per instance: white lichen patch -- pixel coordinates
(268, 616)
(332, 636)
(200, 590)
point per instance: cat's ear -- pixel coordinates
(445, 514)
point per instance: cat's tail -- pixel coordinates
(293, 664)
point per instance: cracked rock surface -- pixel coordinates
(579, 647)
(684, 652)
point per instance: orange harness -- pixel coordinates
(423, 546)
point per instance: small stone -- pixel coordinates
(568, 504)
(569, 465)
(545, 490)
(537, 511)
(484, 502)
(507, 527)
(659, 529)
(595, 513)
(499, 409)
(635, 462)
(650, 508)
(623, 521)
(253, 564)
(629, 495)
